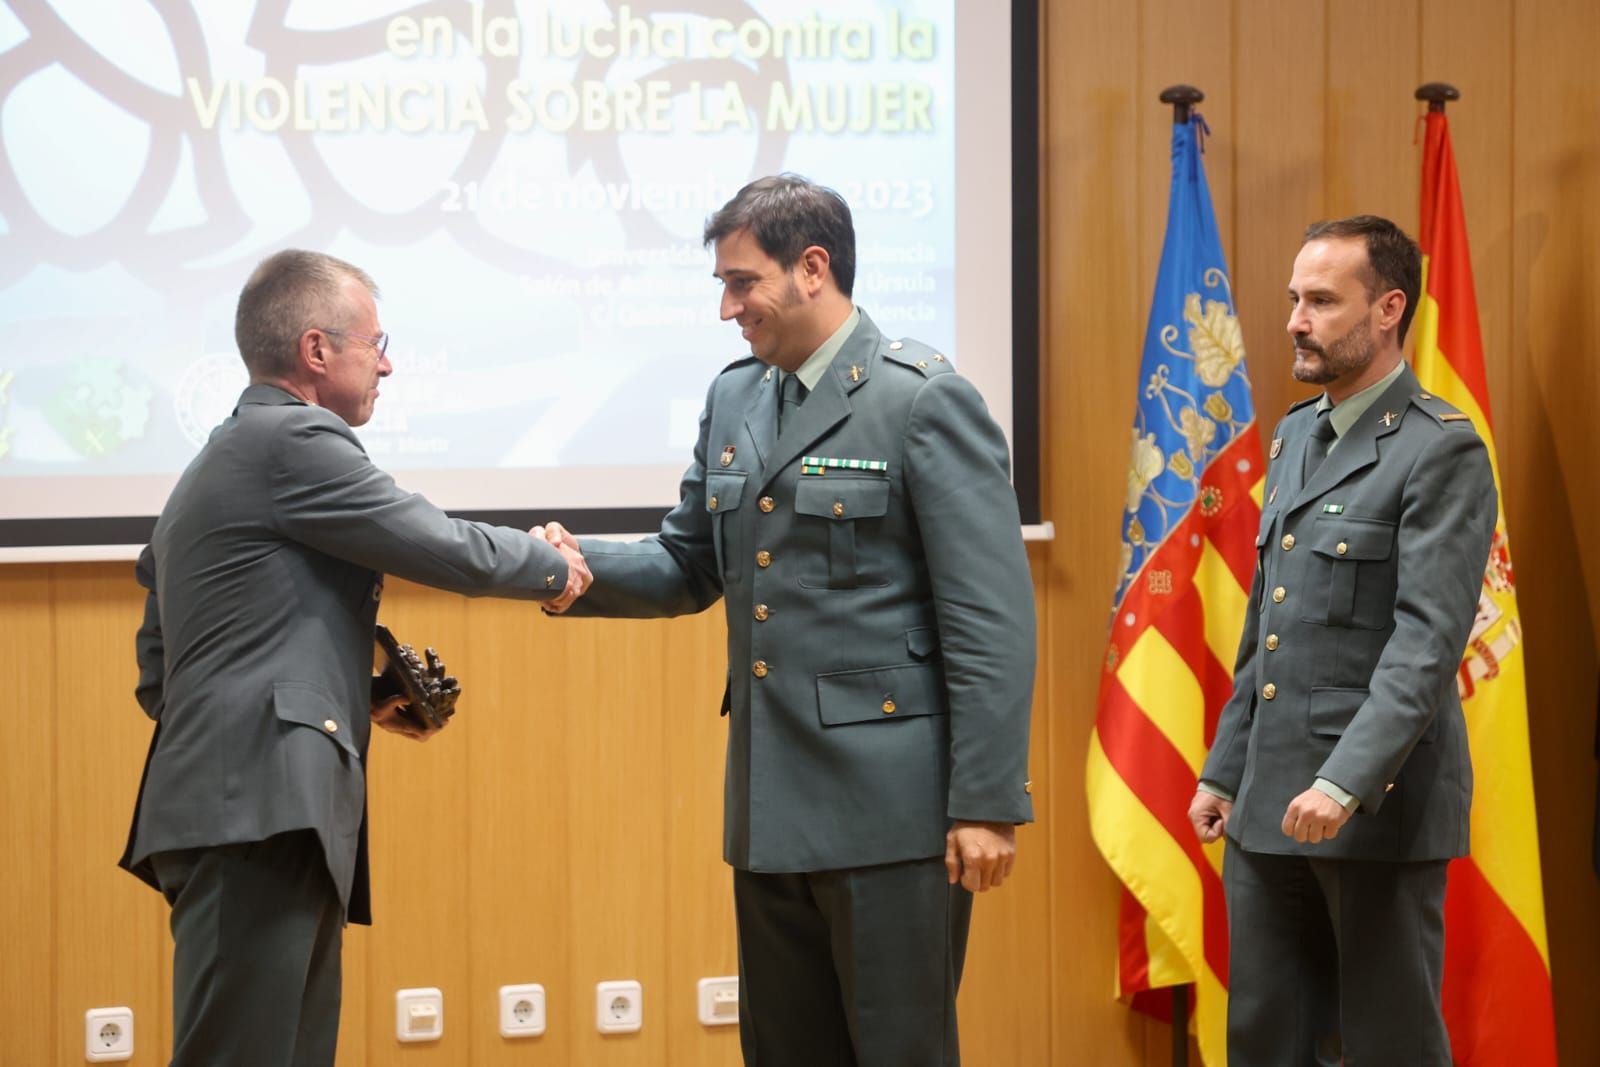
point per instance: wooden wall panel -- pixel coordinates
(110, 946)
(1279, 112)
(1094, 313)
(567, 828)
(1551, 489)
(28, 787)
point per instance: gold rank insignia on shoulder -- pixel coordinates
(1277, 446)
(1388, 418)
(767, 377)
(1454, 416)
(727, 455)
(1272, 495)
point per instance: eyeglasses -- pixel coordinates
(380, 342)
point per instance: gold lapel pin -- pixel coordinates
(855, 374)
(1388, 418)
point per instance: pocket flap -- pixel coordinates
(724, 490)
(1330, 710)
(1267, 519)
(880, 694)
(1347, 538)
(922, 642)
(842, 497)
(310, 705)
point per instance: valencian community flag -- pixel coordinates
(1496, 961)
(1189, 522)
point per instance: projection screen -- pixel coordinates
(526, 182)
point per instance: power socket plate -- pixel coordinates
(522, 1011)
(618, 1007)
(108, 1035)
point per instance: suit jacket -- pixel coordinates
(255, 657)
(1364, 594)
(880, 619)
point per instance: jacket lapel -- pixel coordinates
(1358, 449)
(828, 404)
(761, 417)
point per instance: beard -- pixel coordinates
(1349, 354)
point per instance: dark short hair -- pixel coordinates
(1393, 259)
(289, 293)
(788, 214)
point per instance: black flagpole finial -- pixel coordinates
(1437, 94)
(1183, 98)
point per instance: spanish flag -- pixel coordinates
(1496, 961)
(1189, 521)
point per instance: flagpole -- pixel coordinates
(1437, 94)
(1183, 98)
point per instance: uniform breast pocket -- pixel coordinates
(850, 510)
(1352, 572)
(724, 493)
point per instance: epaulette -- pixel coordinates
(736, 364)
(1298, 404)
(1442, 411)
(916, 355)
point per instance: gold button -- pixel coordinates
(759, 668)
(1268, 691)
(1027, 787)
(1278, 594)
(888, 707)
(330, 726)
(1425, 396)
(1341, 548)
(1288, 542)
(762, 612)
(1272, 642)
(712, 503)
(763, 558)
(895, 346)
(766, 503)
(838, 508)
(1389, 788)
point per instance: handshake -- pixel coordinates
(579, 577)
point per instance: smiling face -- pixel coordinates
(351, 366)
(1335, 321)
(773, 306)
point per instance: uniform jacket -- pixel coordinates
(264, 574)
(880, 621)
(1366, 585)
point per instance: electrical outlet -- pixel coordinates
(618, 1007)
(108, 1035)
(418, 1015)
(521, 1010)
(718, 1000)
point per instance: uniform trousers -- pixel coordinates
(1334, 957)
(851, 968)
(255, 972)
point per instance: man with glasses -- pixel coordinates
(264, 575)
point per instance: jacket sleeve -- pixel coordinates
(148, 645)
(329, 495)
(673, 572)
(957, 474)
(1447, 519)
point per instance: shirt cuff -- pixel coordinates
(1349, 801)
(1215, 790)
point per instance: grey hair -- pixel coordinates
(288, 293)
